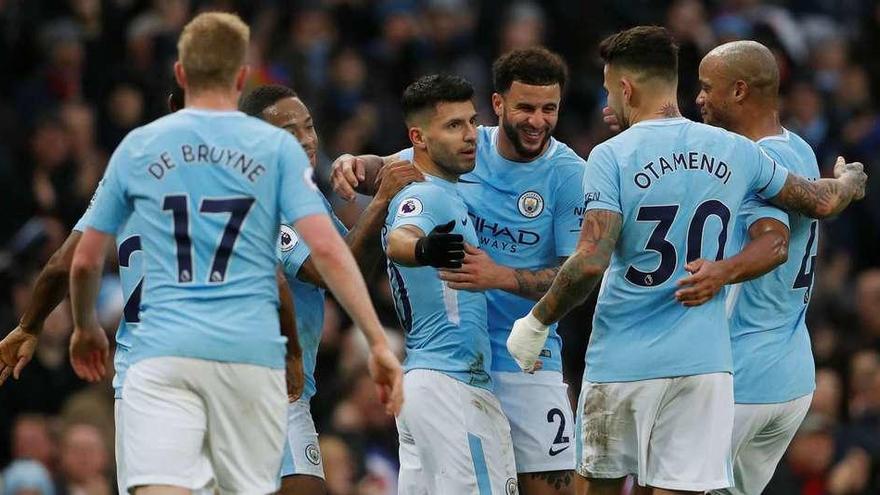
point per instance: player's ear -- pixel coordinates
(417, 137)
(497, 104)
(626, 89)
(740, 91)
(180, 74)
(241, 77)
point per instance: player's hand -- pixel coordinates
(296, 378)
(706, 280)
(610, 119)
(388, 375)
(478, 272)
(88, 353)
(526, 340)
(16, 351)
(346, 173)
(394, 177)
(855, 172)
(441, 249)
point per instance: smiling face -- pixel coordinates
(528, 116)
(716, 97)
(292, 115)
(450, 136)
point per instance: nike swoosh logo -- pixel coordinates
(464, 221)
(557, 452)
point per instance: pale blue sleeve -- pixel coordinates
(421, 207)
(568, 212)
(769, 177)
(406, 154)
(602, 181)
(755, 208)
(299, 196)
(110, 207)
(292, 252)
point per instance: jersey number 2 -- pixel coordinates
(131, 310)
(237, 208)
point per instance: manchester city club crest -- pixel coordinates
(530, 204)
(410, 207)
(287, 238)
(313, 454)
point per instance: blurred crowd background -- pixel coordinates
(77, 75)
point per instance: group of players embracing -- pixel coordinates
(699, 367)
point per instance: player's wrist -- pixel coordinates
(535, 325)
(31, 327)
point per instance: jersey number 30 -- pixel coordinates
(237, 208)
(664, 216)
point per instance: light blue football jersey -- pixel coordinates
(308, 299)
(527, 215)
(678, 186)
(772, 357)
(210, 190)
(445, 329)
(131, 269)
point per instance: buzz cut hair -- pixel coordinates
(535, 66)
(648, 50)
(263, 97)
(428, 91)
(212, 48)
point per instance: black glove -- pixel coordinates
(441, 249)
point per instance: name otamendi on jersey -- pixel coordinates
(682, 162)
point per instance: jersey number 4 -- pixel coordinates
(237, 208)
(665, 216)
(804, 278)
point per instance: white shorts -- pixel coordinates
(761, 434)
(541, 420)
(205, 469)
(454, 439)
(181, 412)
(672, 433)
(302, 456)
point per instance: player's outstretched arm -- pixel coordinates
(88, 344)
(339, 271)
(17, 348)
(766, 249)
(823, 198)
(287, 317)
(576, 279)
(478, 273)
(363, 239)
(409, 246)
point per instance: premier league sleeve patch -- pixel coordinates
(287, 238)
(410, 207)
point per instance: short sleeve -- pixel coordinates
(755, 208)
(769, 176)
(406, 154)
(299, 196)
(421, 207)
(568, 212)
(601, 186)
(85, 219)
(110, 207)
(292, 253)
